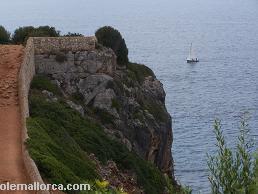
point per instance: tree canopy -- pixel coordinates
(111, 38)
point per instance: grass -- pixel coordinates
(58, 157)
(61, 139)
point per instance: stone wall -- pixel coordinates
(26, 73)
(43, 45)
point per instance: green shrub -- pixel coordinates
(41, 82)
(139, 72)
(77, 97)
(4, 36)
(21, 34)
(116, 104)
(70, 34)
(176, 190)
(155, 108)
(254, 187)
(47, 31)
(138, 115)
(104, 116)
(232, 171)
(111, 38)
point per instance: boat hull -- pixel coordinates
(192, 60)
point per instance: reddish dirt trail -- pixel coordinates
(12, 168)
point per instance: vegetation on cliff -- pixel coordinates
(61, 141)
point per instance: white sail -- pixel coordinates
(191, 57)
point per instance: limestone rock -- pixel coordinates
(154, 87)
(104, 101)
(76, 107)
(93, 85)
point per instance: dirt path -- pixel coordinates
(12, 168)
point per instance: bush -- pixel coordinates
(232, 171)
(41, 82)
(116, 104)
(140, 71)
(155, 108)
(22, 34)
(111, 38)
(4, 36)
(104, 116)
(70, 34)
(47, 31)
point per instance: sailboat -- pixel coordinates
(191, 57)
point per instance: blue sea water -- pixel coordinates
(224, 84)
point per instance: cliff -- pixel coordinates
(127, 103)
(132, 98)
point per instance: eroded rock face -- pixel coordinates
(69, 67)
(135, 108)
(93, 85)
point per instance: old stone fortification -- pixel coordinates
(72, 61)
(26, 73)
(79, 66)
(43, 45)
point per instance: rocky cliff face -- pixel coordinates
(128, 102)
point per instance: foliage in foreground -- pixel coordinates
(255, 187)
(232, 171)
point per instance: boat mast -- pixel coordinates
(190, 51)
